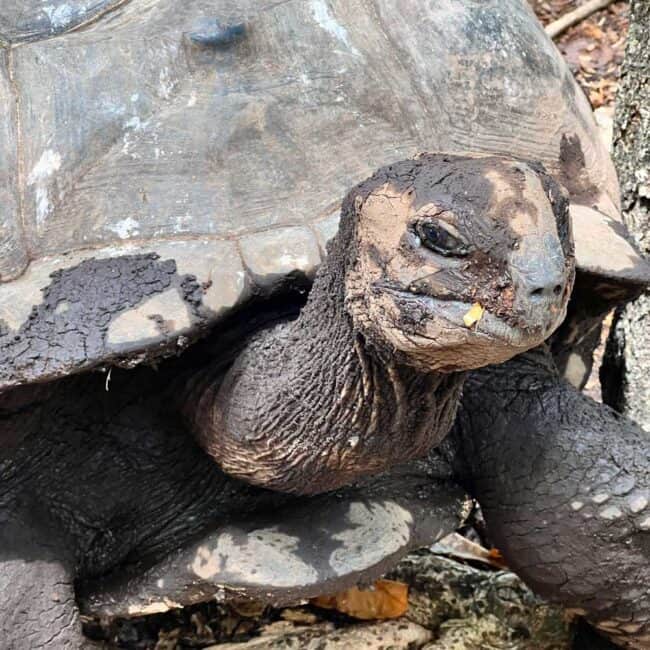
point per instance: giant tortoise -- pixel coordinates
(172, 409)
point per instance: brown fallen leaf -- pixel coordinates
(495, 555)
(388, 599)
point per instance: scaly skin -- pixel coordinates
(36, 584)
(564, 484)
(91, 481)
(97, 481)
(519, 425)
(310, 406)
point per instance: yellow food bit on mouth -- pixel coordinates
(474, 315)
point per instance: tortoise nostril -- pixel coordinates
(551, 290)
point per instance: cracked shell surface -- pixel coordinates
(161, 162)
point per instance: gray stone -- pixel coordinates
(388, 635)
(472, 608)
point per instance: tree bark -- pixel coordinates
(625, 376)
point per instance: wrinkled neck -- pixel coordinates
(308, 407)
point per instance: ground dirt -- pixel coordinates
(593, 48)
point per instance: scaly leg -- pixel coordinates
(564, 484)
(37, 604)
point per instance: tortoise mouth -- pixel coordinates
(487, 327)
(304, 549)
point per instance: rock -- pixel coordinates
(469, 608)
(392, 635)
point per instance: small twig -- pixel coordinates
(580, 13)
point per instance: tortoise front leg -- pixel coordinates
(37, 604)
(564, 484)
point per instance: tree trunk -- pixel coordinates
(625, 374)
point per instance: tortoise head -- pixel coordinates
(455, 262)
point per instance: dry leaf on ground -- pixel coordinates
(388, 599)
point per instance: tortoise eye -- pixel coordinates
(437, 238)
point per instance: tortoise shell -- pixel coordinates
(161, 162)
